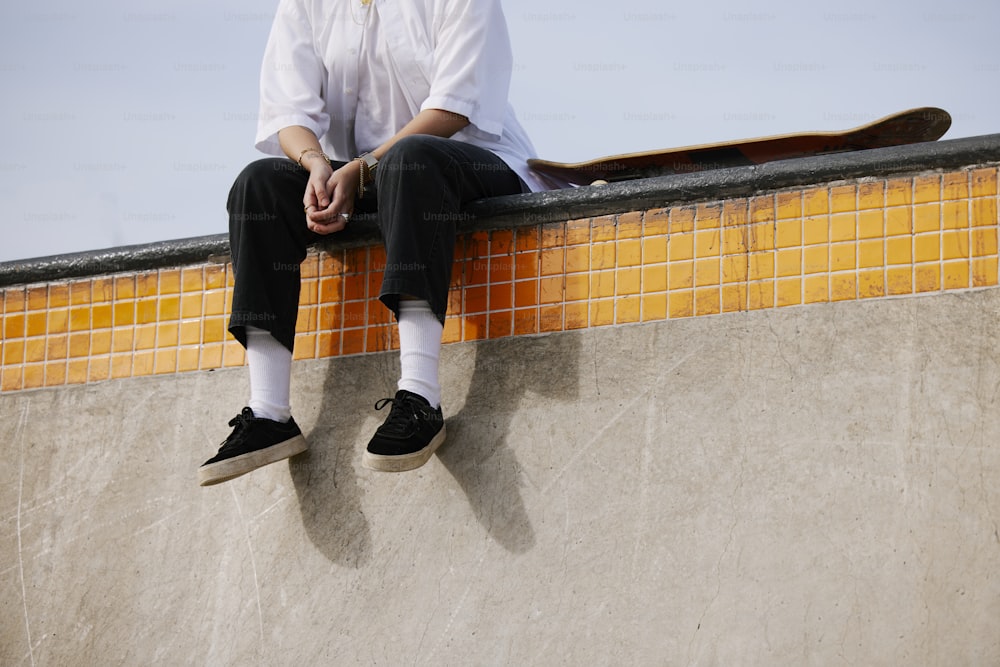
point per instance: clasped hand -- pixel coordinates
(329, 197)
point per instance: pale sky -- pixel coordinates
(127, 122)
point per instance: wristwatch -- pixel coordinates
(369, 163)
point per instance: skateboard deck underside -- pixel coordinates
(907, 127)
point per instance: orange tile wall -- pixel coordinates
(870, 238)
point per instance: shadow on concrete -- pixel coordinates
(478, 452)
(325, 481)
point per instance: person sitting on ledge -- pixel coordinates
(393, 108)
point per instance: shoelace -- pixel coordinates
(401, 417)
(242, 423)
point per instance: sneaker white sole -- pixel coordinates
(403, 462)
(223, 471)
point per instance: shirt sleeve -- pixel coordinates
(291, 80)
(472, 64)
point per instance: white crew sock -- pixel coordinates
(419, 350)
(270, 375)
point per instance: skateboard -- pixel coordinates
(907, 127)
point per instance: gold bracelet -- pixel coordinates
(363, 177)
(312, 150)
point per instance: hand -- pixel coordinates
(329, 197)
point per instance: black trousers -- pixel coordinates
(421, 185)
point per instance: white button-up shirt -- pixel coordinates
(355, 74)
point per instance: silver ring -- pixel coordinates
(345, 216)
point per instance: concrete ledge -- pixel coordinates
(532, 209)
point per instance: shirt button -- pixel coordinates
(349, 91)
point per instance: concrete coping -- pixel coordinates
(554, 206)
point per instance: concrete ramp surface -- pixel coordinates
(816, 485)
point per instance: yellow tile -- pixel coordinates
(926, 218)
(680, 304)
(13, 352)
(187, 359)
(816, 289)
(927, 248)
(955, 215)
(654, 278)
(734, 212)
(788, 233)
(578, 258)
(192, 279)
(734, 240)
(709, 216)
(309, 291)
(550, 290)
(898, 222)
(145, 285)
(899, 250)
(843, 227)
(34, 350)
(706, 272)
(789, 262)
(602, 284)
(167, 334)
(871, 195)
(550, 318)
(761, 237)
(602, 313)
(190, 305)
(654, 307)
(553, 234)
(76, 372)
(12, 379)
(984, 182)
(843, 287)
(79, 293)
(680, 247)
(190, 333)
(170, 281)
(142, 363)
(121, 366)
(760, 295)
(984, 213)
(100, 369)
(926, 189)
(553, 261)
(927, 277)
(55, 374)
(629, 253)
(843, 257)
(815, 201)
(124, 313)
(602, 229)
(34, 376)
(816, 259)
(576, 315)
(215, 303)
(233, 354)
(706, 244)
(707, 301)
(145, 311)
(870, 225)
(602, 256)
(577, 232)
(760, 266)
(955, 245)
(58, 296)
(122, 339)
(654, 250)
(56, 347)
(734, 268)
(843, 198)
(789, 205)
(577, 287)
(815, 231)
(630, 225)
(682, 219)
(789, 292)
(79, 318)
(955, 186)
(100, 342)
(214, 276)
(734, 298)
(628, 310)
(680, 275)
(102, 290)
(899, 192)
(984, 242)
(14, 325)
(38, 298)
(628, 281)
(898, 281)
(145, 337)
(984, 272)
(211, 355)
(870, 284)
(956, 275)
(165, 361)
(871, 254)
(762, 209)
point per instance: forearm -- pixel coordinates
(435, 122)
(300, 144)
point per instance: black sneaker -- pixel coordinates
(253, 443)
(408, 437)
